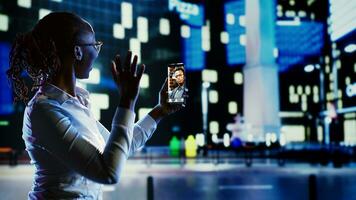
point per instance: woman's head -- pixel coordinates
(56, 41)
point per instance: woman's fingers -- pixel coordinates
(118, 63)
(114, 70)
(164, 87)
(134, 65)
(140, 71)
(127, 64)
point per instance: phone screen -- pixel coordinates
(176, 83)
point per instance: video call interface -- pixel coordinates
(176, 83)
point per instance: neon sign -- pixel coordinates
(185, 9)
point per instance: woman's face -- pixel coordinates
(83, 67)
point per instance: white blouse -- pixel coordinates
(73, 152)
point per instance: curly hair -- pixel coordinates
(40, 51)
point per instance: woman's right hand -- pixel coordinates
(127, 78)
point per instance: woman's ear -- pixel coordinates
(78, 53)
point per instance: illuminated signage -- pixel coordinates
(351, 90)
(342, 18)
(185, 9)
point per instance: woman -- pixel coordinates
(72, 152)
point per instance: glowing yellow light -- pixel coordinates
(190, 147)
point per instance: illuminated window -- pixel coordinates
(200, 139)
(118, 31)
(213, 96)
(24, 3)
(224, 37)
(94, 77)
(232, 107)
(4, 22)
(43, 12)
(214, 127)
(350, 131)
(316, 90)
(316, 98)
(142, 29)
(300, 89)
(215, 138)
(206, 37)
(143, 112)
(312, 16)
(307, 90)
(320, 133)
(339, 103)
(279, 14)
(126, 15)
(279, 7)
(242, 20)
(230, 18)
(275, 52)
(238, 78)
(290, 13)
(185, 31)
(135, 47)
(145, 81)
(327, 59)
(347, 80)
(294, 133)
(98, 103)
(164, 27)
(304, 106)
(339, 93)
(243, 40)
(209, 75)
(304, 98)
(226, 140)
(291, 89)
(302, 13)
(291, 98)
(80, 84)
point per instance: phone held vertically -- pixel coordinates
(176, 83)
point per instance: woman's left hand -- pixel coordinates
(163, 108)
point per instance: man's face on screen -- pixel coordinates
(179, 75)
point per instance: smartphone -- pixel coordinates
(176, 83)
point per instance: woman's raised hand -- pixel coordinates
(127, 78)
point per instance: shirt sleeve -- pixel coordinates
(60, 138)
(142, 131)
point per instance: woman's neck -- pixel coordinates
(65, 80)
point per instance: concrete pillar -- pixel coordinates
(261, 85)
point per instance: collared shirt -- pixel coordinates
(73, 152)
(177, 92)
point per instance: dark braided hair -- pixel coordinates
(40, 51)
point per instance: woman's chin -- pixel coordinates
(83, 76)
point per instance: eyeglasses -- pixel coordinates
(97, 45)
